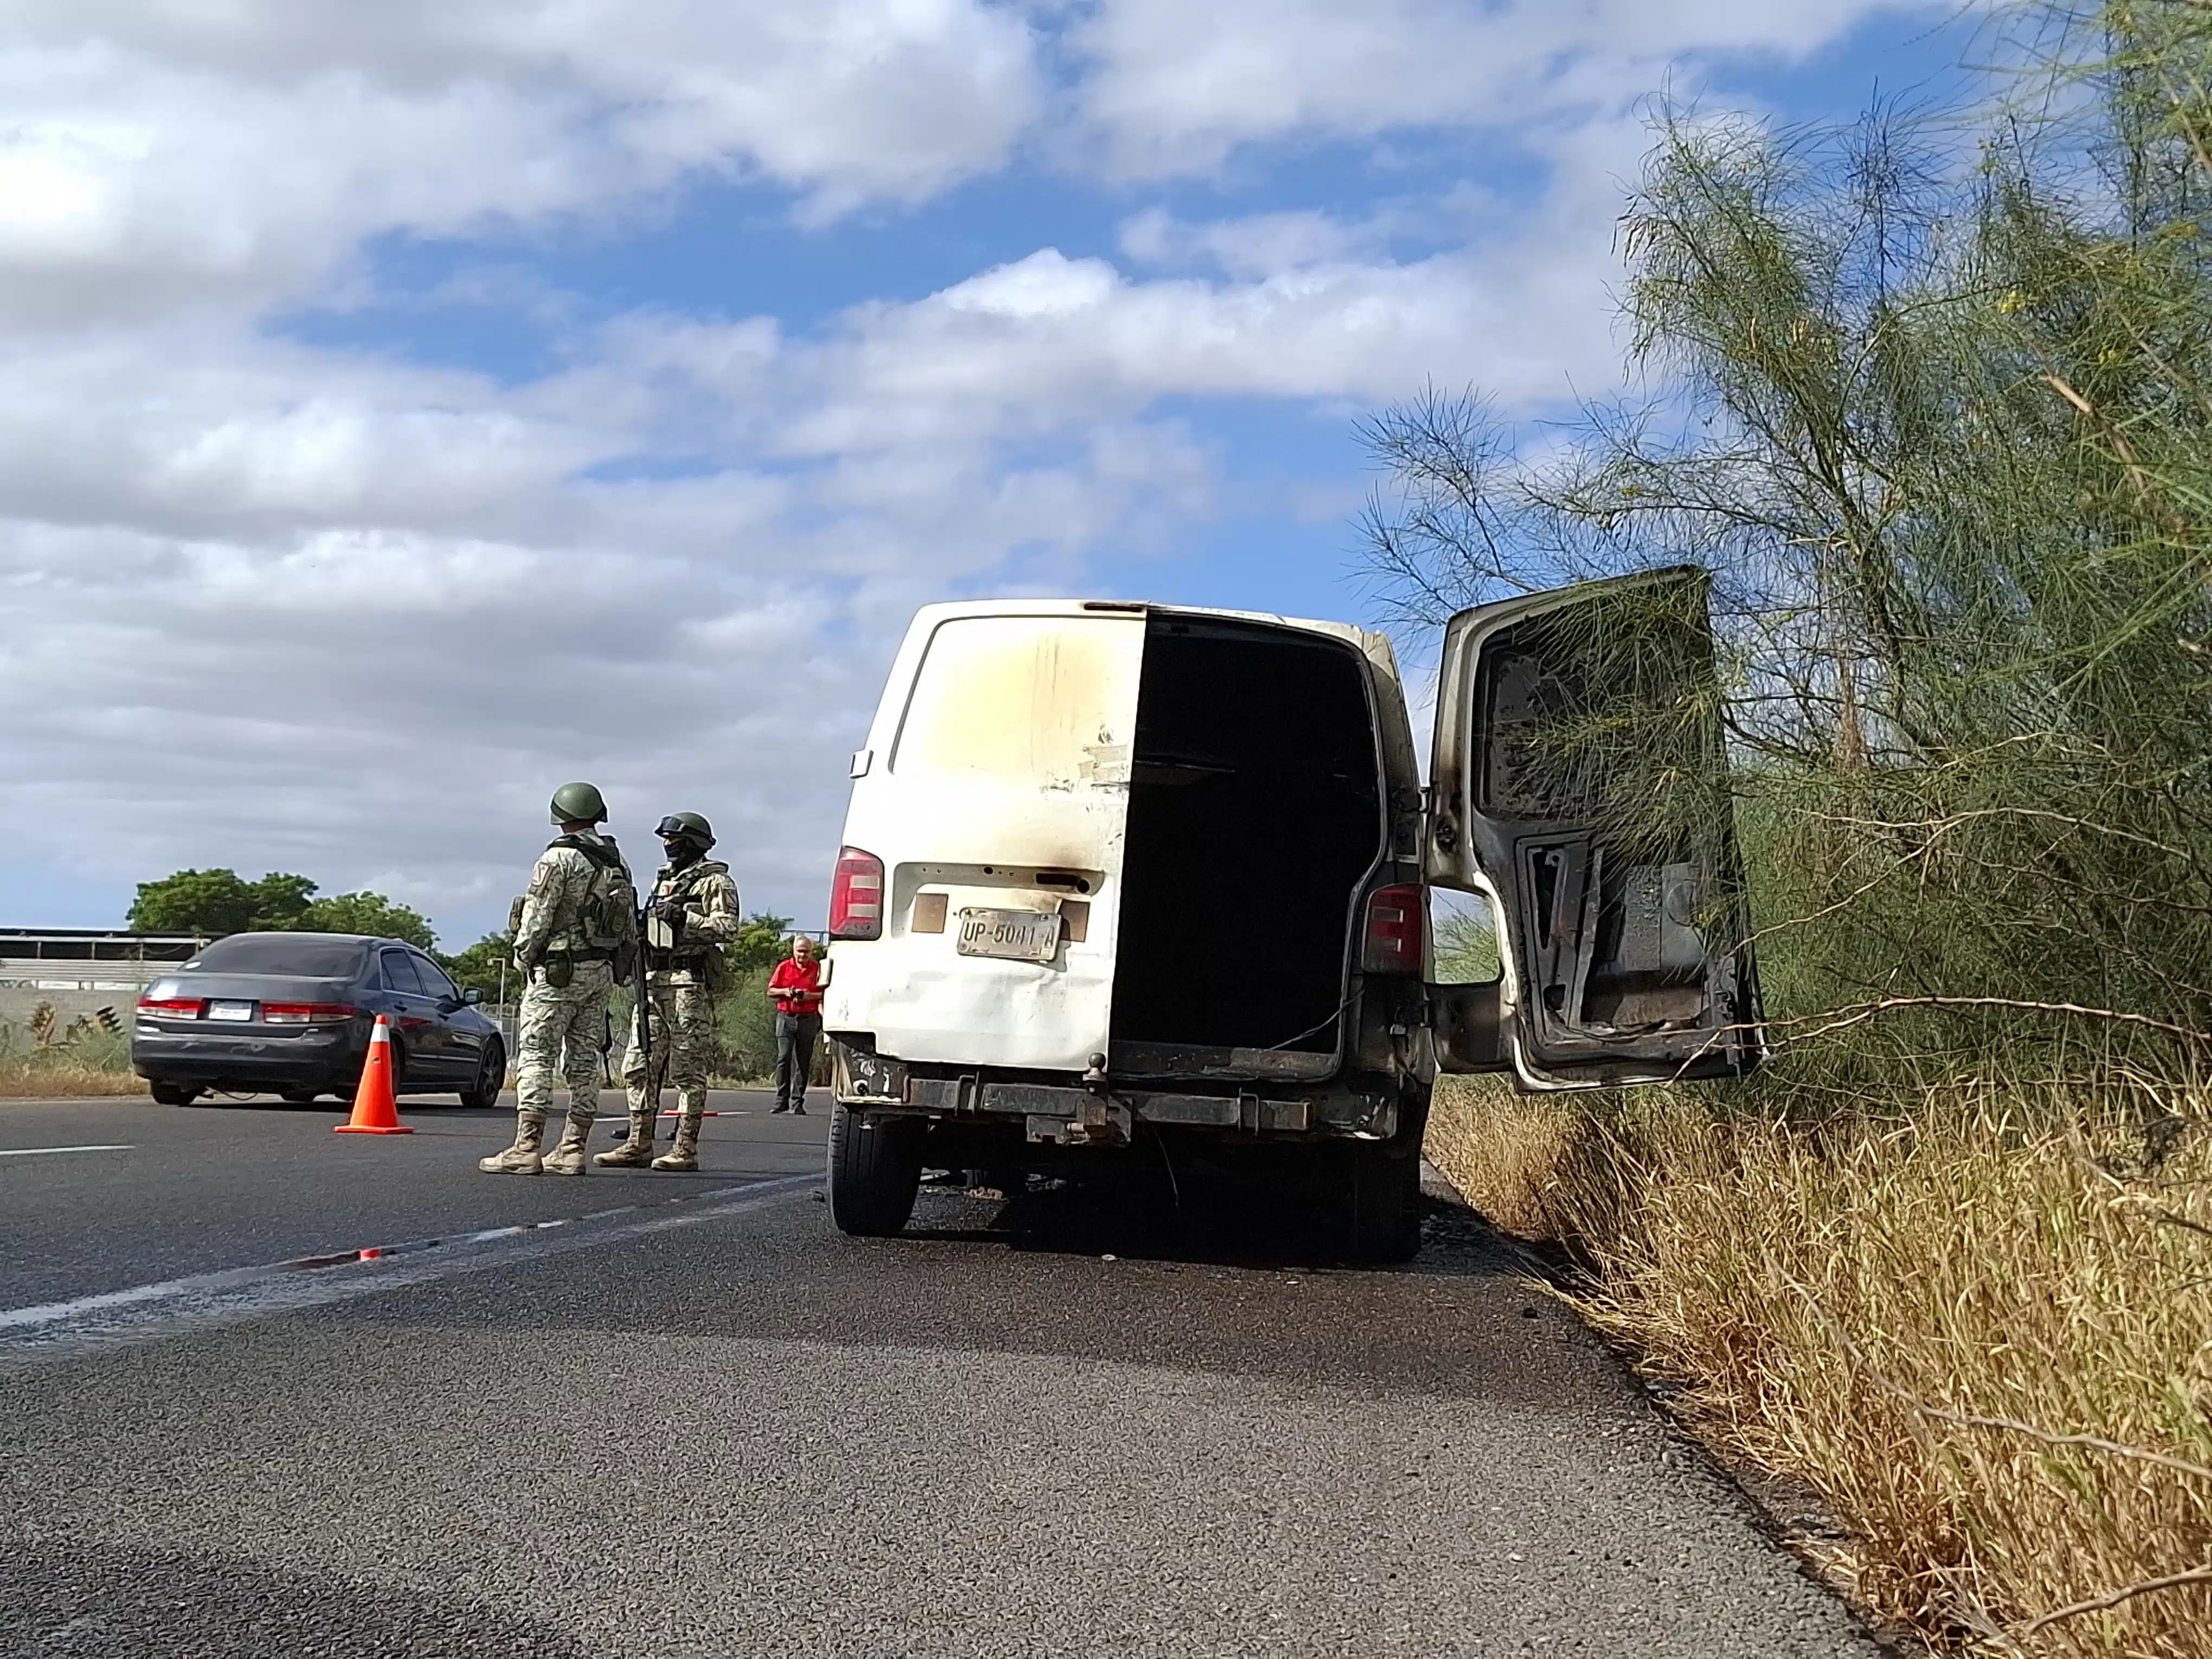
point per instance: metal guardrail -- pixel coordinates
(96, 944)
(62, 974)
(88, 959)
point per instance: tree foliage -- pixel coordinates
(213, 903)
(760, 943)
(366, 912)
(1937, 427)
(479, 966)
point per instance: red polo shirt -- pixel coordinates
(797, 990)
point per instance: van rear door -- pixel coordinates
(995, 792)
(1579, 781)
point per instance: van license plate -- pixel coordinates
(1017, 935)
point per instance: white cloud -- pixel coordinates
(1256, 245)
(1308, 307)
(278, 606)
(159, 154)
(280, 609)
(1175, 88)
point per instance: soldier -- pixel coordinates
(691, 914)
(573, 936)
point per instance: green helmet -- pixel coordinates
(689, 825)
(579, 803)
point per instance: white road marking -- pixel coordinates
(143, 1311)
(48, 1152)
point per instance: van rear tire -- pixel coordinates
(1383, 1204)
(875, 1170)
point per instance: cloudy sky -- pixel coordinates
(407, 407)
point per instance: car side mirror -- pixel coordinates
(472, 996)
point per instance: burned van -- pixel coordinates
(1116, 871)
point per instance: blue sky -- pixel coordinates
(410, 408)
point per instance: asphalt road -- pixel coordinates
(648, 1415)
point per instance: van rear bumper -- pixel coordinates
(1075, 1115)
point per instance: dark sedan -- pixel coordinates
(291, 1013)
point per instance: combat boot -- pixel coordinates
(685, 1154)
(567, 1159)
(522, 1157)
(636, 1152)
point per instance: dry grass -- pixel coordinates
(40, 1063)
(20, 1082)
(1854, 1303)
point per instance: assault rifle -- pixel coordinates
(643, 1015)
(654, 933)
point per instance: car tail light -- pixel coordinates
(856, 895)
(168, 1007)
(1397, 919)
(305, 1013)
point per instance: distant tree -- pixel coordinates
(213, 903)
(366, 912)
(759, 943)
(479, 966)
(279, 901)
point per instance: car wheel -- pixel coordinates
(491, 1078)
(173, 1094)
(1383, 1204)
(875, 1170)
(300, 1097)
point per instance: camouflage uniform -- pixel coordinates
(562, 1028)
(681, 979)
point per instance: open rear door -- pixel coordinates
(1580, 781)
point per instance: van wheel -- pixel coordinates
(875, 1170)
(1382, 1203)
(173, 1094)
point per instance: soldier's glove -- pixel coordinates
(670, 910)
(527, 960)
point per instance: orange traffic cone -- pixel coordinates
(375, 1110)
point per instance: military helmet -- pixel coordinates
(579, 803)
(689, 825)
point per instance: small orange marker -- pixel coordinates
(375, 1109)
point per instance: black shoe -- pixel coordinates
(780, 1110)
(799, 1111)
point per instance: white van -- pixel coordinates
(1118, 870)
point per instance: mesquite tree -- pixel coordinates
(1936, 418)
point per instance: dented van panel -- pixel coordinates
(999, 782)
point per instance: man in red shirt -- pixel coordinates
(795, 988)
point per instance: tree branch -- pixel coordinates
(2113, 1598)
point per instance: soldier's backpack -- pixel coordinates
(609, 920)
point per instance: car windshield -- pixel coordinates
(305, 957)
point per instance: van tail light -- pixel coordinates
(856, 895)
(1397, 925)
(168, 1007)
(306, 1014)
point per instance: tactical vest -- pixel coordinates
(666, 950)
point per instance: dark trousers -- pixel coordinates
(795, 1036)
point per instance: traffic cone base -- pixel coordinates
(375, 1109)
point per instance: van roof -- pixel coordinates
(1374, 645)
